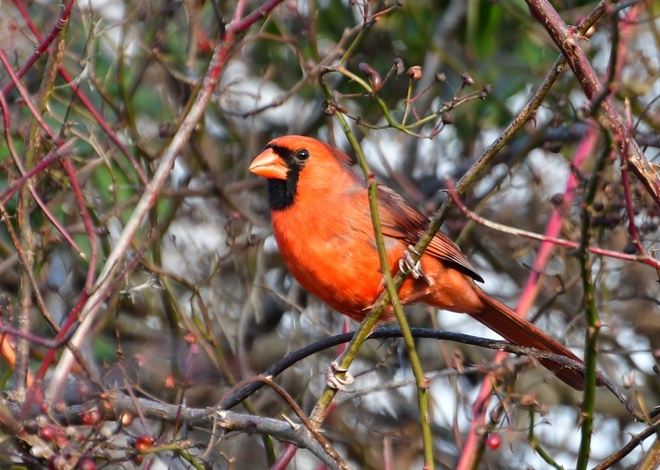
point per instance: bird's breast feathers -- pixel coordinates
(331, 255)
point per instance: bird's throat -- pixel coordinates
(282, 193)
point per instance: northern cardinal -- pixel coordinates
(323, 228)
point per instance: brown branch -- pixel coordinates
(629, 447)
(144, 206)
(113, 405)
(322, 441)
(568, 40)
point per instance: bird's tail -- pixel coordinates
(517, 330)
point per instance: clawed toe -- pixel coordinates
(406, 264)
(334, 381)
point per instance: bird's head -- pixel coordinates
(295, 163)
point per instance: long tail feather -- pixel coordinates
(517, 330)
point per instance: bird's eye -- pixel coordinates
(302, 154)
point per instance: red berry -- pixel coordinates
(91, 417)
(48, 433)
(143, 443)
(86, 465)
(493, 441)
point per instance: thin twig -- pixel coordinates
(451, 190)
(568, 40)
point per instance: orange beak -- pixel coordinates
(269, 165)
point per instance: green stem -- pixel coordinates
(372, 317)
(392, 291)
(381, 104)
(403, 127)
(593, 321)
(408, 102)
(534, 443)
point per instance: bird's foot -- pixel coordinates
(407, 264)
(334, 381)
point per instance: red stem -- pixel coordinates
(568, 40)
(238, 26)
(43, 45)
(529, 293)
(79, 94)
(87, 222)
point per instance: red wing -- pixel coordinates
(401, 220)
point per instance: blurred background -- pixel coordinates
(204, 300)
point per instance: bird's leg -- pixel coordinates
(336, 382)
(413, 267)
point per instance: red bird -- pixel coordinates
(323, 228)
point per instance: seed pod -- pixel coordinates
(467, 79)
(415, 72)
(374, 76)
(366, 69)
